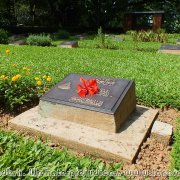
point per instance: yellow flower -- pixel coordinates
(49, 79)
(26, 69)
(15, 78)
(45, 89)
(14, 65)
(36, 78)
(2, 76)
(8, 51)
(18, 76)
(39, 83)
(44, 76)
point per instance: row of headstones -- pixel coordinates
(65, 44)
(165, 48)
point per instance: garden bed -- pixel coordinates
(152, 156)
(156, 77)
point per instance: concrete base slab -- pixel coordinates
(123, 145)
(170, 51)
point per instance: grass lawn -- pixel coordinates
(176, 150)
(156, 75)
(19, 154)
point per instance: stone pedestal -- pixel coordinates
(107, 125)
(121, 146)
(170, 49)
(69, 44)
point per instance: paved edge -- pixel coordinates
(75, 145)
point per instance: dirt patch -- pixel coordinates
(169, 116)
(153, 158)
(4, 118)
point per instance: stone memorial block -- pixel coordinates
(178, 41)
(80, 36)
(20, 42)
(170, 48)
(69, 44)
(106, 110)
(118, 39)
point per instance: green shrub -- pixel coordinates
(21, 86)
(150, 36)
(3, 36)
(103, 42)
(161, 30)
(62, 34)
(130, 32)
(175, 164)
(39, 40)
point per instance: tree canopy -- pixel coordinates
(83, 13)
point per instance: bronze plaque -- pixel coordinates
(107, 100)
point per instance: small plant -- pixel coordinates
(150, 36)
(3, 36)
(101, 41)
(39, 40)
(101, 38)
(62, 34)
(160, 30)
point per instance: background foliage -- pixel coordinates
(3, 36)
(83, 13)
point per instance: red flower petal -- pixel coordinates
(79, 87)
(84, 81)
(82, 93)
(90, 87)
(92, 82)
(91, 91)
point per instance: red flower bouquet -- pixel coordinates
(89, 87)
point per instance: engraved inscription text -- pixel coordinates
(86, 101)
(105, 82)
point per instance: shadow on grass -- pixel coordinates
(146, 49)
